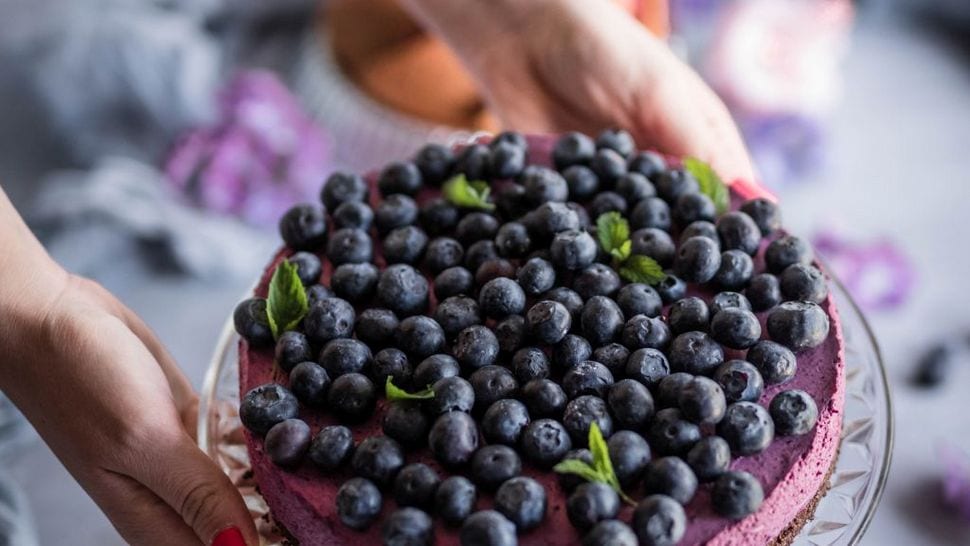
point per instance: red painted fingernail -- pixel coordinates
(229, 537)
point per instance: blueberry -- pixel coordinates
(549, 219)
(709, 458)
(581, 181)
(639, 299)
(740, 381)
(342, 356)
(511, 201)
(379, 459)
(402, 289)
(701, 228)
(435, 163)
(545, 442)
(544, 398)
(457, 313)
(572, 301)
(673, 183)
(405, 245)
(358, 503)
(572, 149)
(672, 434)
(395, 211)
(530, 363)
(800, 282)
(523, 501)
(476, 346)
(507, 160)
(416, 485)
(573, 249)
(608, 201)
(794, 412)
(775, 362)
(763, 292)
(287, 442)
(399, 177)
(376, 327)
(728, 300)
(476, 226)
(478, 253)
(689, 315)
(391, 363)
(659, 521)
(510, 137)
(735, 328)
(266, 405)
(355, 282)
(798, 325)
(331, 447)
(747, 427)
(453, 439)
(672, 477)
(292, 348)
(434, 368)
(671, 288)
(512, 240)
(642, 332)
(596, 280)
(695, 353)
(494, 269)
(455, 499)
(610, 533)
(492, 465)
(316, 293)
(304, 227)
(697, 260)
(349, 245)
(634, 187)
(735, 271)
(702, 401)
(765, 214)
(488, 528)
(587, 377)
(308, 267)
(491, 384)
(569, 482)
(501, 297)
(668, 389)
(310, 383)
(738, 231)
(343, 187)
(406, 423)
(511, 333)
(548, 321)
(592, 503)
(252, 323)
(473, 161)
(439, 217)
(786, 251)
(504, 422)
(613, 356)
(651, 212)
(352, 397)
(408, 527)
(655, 243)
(608, 165)
(543, 185)
(571, 351)
(451, 394)
(693, 207)
(453, 281)
(647, 366)
(420, 336)
(630, 454)
(617, 140)
(601, 320)
(736, 494)
(649, 164)
(581, 412)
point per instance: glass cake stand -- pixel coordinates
(842, 516)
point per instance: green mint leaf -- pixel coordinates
(395, 393)
(613, 232)
(622, 253)
(642, 269)
(579, 468)
(601, 461)
(710, 183)
(286, 303)
(467, 194)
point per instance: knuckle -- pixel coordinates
(198, 505)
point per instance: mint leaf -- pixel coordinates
(286, 303)
(613, 232)
(710, 183)
(467, 194)
(642, 269)
(580, 468)
(601, 460)
(395, 393)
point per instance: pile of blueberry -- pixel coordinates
(526, 334)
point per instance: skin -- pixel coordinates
(111, 402)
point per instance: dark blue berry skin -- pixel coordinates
(350, 246)
(352, 397)
(536, 276)
(406, 423)
(331, 447)
(613, 356)
(266, 405)
(573, 249)
(702, 401)
(585, 222)
(308, 267)
(473, 161)
(581, 181)
(700, 228)
(709, 458)
(415, 485)
(651, 212)
(592, 503)
(395, 211)
(453, 281)
(763, 292)
(572, 301)
(504, 422)
(670, 476)
(740, 381)
(747, 427)
(544, 398)
(317, 293)
(697, 260)
(455, 499)
(353, 215)
(475, 347)
(571, 351)
(630, 454)
(343, 187)
(434, 368)
(794, 412)
(488, 528)
(251, 322)
(655, 243)
(408, 527)
(569, 482)
(310, 383)
(693, 207)
(738, 231)
(304, 227)
(492, 465)
(610, 533)
(507, 160)
(765, 214)
(649, 164)
(391, 363)
(453, 439)
(581, 412)
(354, 282)
(548, 321)
(511, 333)
(573, 149)
(775, 362)
(491, 384)
(736, 494)
(673, 183)
(376, 327)
(451, 394)
(543, 185)
(379, 459)
(672, 434)
(639, 299)
(287, 442)
(420, 336)
(457, 313)
(608, 166)
(596, 280)
(587, 377)
(735, 271)
(501, 297)
(512, 240)
(695, 353)
(405, 245)
(342, 356)
(549, 219)
(494, 269)
(530, 363)
(617, 140)
(671, 288)
(786, 251)
(476, 226)
(669, 387)
(399, 177)
(689, 315)
(403, 289)
(647, 366)
(523, 501)
(798, 325)
(728, 300)
(510, 137)
(641, 332)
(633, 186)
(735, 328)
(439, 217)
(659, 521)
(800, 282)
(601, 320)
(358, 503)
(435, 162)
(608, 201)
(292, 348)
(545, 442)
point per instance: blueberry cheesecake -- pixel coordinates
(542, 341)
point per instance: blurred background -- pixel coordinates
(152, 143)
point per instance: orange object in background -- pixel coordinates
(395, 62)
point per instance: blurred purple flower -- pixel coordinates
(263, 154)
(955, 481)
(877, 274)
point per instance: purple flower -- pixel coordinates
(263, 154)
(877, 274)
(955, 481)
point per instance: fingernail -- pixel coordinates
(229, 537)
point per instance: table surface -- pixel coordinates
(898, 169)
